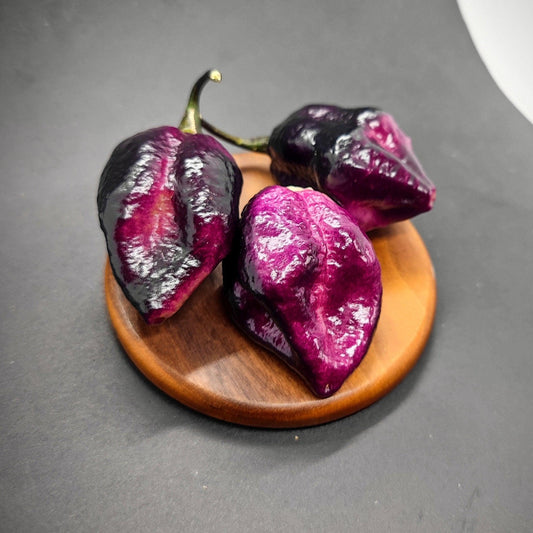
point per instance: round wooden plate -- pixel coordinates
(202, 360)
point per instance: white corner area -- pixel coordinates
(502, 34)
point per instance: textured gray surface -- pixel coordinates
(87, 444)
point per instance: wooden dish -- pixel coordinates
(202, 360)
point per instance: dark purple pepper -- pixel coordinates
(359, 157)
(168, 206)
(304, 282)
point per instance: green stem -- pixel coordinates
(255, 144)
(191, 121)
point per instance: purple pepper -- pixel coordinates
(304, 281)
(359, 157)
(168, 206)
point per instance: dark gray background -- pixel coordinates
(87, 444)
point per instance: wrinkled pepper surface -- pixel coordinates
(168, 206)
(359, 157)
(303, 280)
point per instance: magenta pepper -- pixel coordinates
(168, 205)
(304, 282)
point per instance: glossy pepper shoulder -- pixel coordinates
(168, 206)
(359, 157)
(304, 282)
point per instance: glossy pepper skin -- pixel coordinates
(304, 281)
(168, 206)
(359, 157)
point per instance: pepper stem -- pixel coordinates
(191, 121)
(255, 144)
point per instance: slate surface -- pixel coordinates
(87, 444)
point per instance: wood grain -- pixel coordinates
(200, 358)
